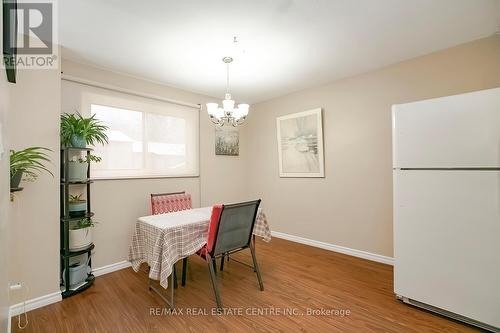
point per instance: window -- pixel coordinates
(147, 137)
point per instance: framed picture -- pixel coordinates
(300, 144)
(227, 141)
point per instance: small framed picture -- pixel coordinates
(227, 141)
(300, 144)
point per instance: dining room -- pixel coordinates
(236, 166)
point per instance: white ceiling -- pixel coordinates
(283, 45)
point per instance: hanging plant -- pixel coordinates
(27, 164)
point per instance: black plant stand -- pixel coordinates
(66, 254)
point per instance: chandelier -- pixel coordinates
(227, 114)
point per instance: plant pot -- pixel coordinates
(77, 171)
(80, 238)
(78, 141)
(77, 208)
(78, 273)
(15, 180)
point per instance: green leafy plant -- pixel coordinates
(85, 222)
(76, 198)
(92, 158)
(86, 159)
(29, 162)
(89, 129)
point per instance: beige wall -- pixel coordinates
(117, 203)
(352, 205)
(4, 202)
(34, 121)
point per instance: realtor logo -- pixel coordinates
(34, 26)
(29, 38)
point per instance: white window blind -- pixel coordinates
(147, 137)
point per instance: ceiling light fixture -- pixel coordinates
(227, 114)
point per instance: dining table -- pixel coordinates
(162, 240)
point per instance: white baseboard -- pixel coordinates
(9, 322)
(41, 301)
(111, 268)
(35, 303)
(336, 248)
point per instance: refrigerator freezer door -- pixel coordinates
(447, 241)
(451, 132)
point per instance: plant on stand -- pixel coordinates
(27, 164)
(77, 206)
(80, 235)
(78, 166)
(78, 131)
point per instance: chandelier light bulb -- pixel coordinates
(243, 109)
(212, 108)
(219, 114)
(228, 105)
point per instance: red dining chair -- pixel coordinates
(230, 230)
(162, 203)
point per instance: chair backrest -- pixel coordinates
(170, 202)
(233, 228)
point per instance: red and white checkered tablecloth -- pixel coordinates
(162, 240)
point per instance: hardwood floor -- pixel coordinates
(296, 278)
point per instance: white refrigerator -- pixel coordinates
(446, 173)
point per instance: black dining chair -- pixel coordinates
(230, 231)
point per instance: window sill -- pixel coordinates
(143, 177)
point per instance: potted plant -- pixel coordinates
(78, 131)
(77, 206)
(78, 166)
(27, 164)
(80, 234)
(78, 273)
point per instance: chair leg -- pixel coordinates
(175, 276)
(214, 263)
(253, 240)
(211, 265)
(184, 271)
(222, 263)
(256, 267)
